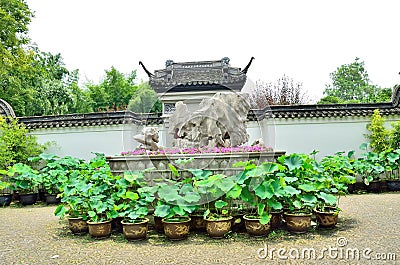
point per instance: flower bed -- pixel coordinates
(200, 150)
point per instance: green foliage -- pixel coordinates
(390, 160)
(38, 83)
(56, 171)
(80, 101)
(22, 178)
(145, 100)
(15, 63)
(176, 199)
(262, 189)
(16, 145)
(114, 92)
(55, 89)
(330, 100)
(395, 135)
(30, 80)
(311, 184)
(89, 190)
(369, 166)
(379, 135)
(133, 196)
(351, 84)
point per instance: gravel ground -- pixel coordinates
(368, 223)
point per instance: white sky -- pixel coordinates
(303, 39)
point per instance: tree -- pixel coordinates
(81, 101)
(145, 100)
(119, 87)
(114, 92)
(32, 81)
(15, 63)
(351, 84)
(283, 92)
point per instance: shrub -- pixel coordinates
(379, 135)
(16, 146)
(395, 135)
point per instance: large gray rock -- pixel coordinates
(148, 139)
(219, 122)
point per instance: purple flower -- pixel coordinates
(201, 150)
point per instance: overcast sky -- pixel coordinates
(305, 40)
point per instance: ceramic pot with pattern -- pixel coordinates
(177, 228)
(135, 230)
(77, 225)
(327, 218)
(254, 227)
(298, 222)
(100, 229)
(217, 228)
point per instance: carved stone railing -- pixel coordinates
(217, 163)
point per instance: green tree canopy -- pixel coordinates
(145, 100)
(114, 92)
(15, 63)
(350, 84)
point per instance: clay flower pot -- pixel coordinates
(28, 198)
(135, 230)
(100, 229)
(238, 223)
(374, 186)
(116, 224)
(176, 228)
(5, 199)
(393, 185)
(254, 227)
(77, 225)
(217, 228)
(158, 224)
(298, 222)
(328, 218)
(198, 223)
(276, 220)
(51, 199)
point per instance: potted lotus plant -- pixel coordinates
(88, 193)
(176, 200)
(338, 174)
(132, 199)
(218, 191)
(390, 160)
(25, 180)
(98, 197)
(54, 174)
(74, 194)
(370, 168)
(262, 191)
(299, 174)
(198, 223)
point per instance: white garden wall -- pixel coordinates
(327, 135)
(82, 141)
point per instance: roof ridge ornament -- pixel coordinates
(225, 60)
(244, 71)
(145, 69)
(169, 63)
